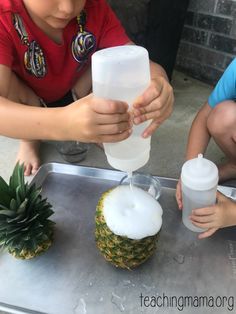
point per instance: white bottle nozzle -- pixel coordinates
(199, 160)
(199, 173)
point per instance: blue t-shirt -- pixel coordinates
(226, 87)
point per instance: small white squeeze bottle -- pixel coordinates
(123, 73)
(199, 179)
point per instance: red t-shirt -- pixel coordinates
(52, 69)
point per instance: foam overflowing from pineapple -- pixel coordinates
(134, 214)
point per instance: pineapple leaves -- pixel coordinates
(17, 179)
(5, 197)
(25, 230)
(7, 212)
(22, 207)
(3, 207)
(13, 205)
(20, 194)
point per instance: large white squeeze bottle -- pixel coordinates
(123, 73)
(199, 179)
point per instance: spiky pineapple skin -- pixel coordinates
(121, 251)
(28, 254)
(25, 230)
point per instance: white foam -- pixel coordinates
(135, 215)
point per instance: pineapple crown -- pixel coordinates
(24, 214)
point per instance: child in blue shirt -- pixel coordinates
(216, 119)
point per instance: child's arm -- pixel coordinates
(199, 136)
(88, 119)
(198, 140)
(83, 86)
(212, 218)
(156, 103)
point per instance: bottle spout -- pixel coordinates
(199, 160)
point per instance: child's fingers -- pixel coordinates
(113, 138)
(159, 89)
(180, 204)
(207, 233)
(203, 225)
(109, 106)
(141, 117)
(112, 129)
(161, 115)
(149, 111)
(147, 97)
(178, 195)
(203, 211)
(114, 118)
(220, 196)
(201, 219)
(151, 128)
(159, 109)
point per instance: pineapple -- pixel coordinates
(25, 230)
(132, 234)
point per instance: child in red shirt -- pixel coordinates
(45, 52)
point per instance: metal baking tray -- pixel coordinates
(73, 278)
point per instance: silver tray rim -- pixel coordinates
(87, 171)
(113, 175)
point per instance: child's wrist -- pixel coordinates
(55, 124)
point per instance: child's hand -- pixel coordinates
(212, 218)
(155, 104)
(98, 120)
(178, 195)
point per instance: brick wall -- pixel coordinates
(154, 24)
(208, 41)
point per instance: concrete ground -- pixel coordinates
(168, 143)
